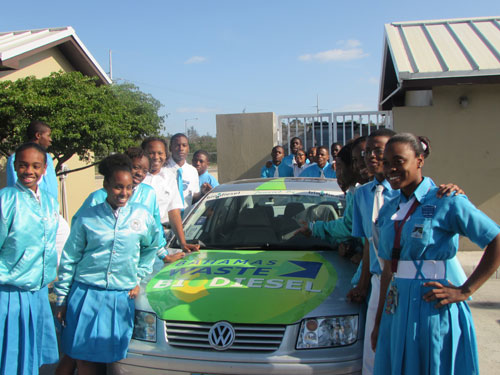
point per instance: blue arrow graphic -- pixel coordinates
(310, 269)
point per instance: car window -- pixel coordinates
(260, 221)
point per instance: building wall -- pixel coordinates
(79, 184)
(244, 143)
(39, 65)
(464, 142)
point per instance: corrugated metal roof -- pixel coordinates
(445, 48)
(16, 43)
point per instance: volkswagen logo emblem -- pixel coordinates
(221, 336)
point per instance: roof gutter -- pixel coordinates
(400, 86)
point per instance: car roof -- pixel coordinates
(281, 183)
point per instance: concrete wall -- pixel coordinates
(244, 143)
(79, 184)
(464, 142)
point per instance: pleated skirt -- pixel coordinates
(420, 339)
(28, 336)
(99, 324)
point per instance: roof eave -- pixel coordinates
(69, 43)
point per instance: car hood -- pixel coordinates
(251, 287)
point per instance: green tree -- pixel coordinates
(85, 118)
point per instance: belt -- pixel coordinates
(421, 269)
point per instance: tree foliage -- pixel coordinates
(85, 118)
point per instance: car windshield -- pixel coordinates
(261, 220)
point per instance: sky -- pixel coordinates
(202, 58)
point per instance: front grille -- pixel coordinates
(248, 337)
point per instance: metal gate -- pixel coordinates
(327, 128)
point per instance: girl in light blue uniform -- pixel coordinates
(111, 248)
(322, 168)
(28, 260)
(424, 324)
(141, 193)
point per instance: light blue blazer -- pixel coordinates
(28, 256)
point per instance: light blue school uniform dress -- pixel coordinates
(417, 338)
(48, 181)
(106, 255)
(208, 178)
(315, 171)
(281, 170)
(28, 261)
(143, 193)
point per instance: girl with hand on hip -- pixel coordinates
(424, 324)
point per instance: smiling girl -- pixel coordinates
(111, 248)
(424, 324)
(28, 258)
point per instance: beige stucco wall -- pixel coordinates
(465, 142)
(39, 65)
(244, 143)
(79, 184)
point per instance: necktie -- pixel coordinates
(276, 171)
(378, 202)
(322, 175)
(180, 185)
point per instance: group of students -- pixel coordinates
(417, 321)
(315, 164)
(114, 239)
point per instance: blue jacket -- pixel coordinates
(28, 256)
(48, 181)
(143, 193)
(315, 171)
(283, 171)
(109, 252)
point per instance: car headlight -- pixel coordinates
(328, 331)
(144, 326)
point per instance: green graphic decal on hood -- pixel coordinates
(277, 287)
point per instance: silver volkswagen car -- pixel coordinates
(258, 298)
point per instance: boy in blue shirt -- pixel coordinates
(200, 162)
(278, 168)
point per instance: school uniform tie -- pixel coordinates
(180, 185)
(276, 171)
(378, 202)
(322, 175)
